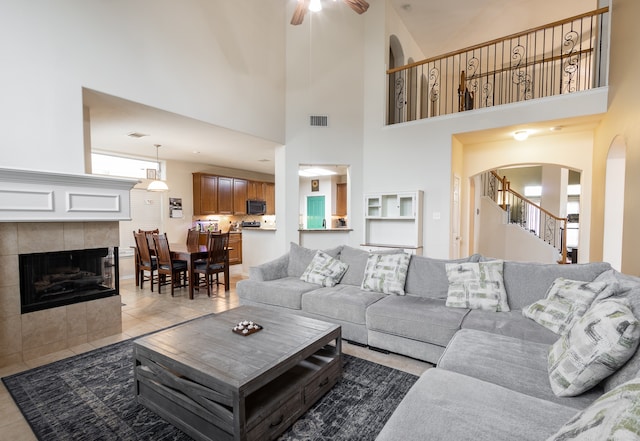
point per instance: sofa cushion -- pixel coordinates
(446, 406)
(511, 324)
(286, 292)
(613, 416)
(476, 285)
(386, 273)
(595, 347)
(566, 301)
(301, 257)
(515, 364)
(417, 318)
(628, 289)
(343, 302)
(527, 282)
(427, 277)
(356, 259)
(324, 270)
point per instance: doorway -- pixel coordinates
(315, 213)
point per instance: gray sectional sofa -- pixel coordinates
(491, 381)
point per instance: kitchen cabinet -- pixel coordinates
(225, 195)
(341, 199)
(235, 242)
(270, 197)
(255, 190)
(205, 194)
(239, 196)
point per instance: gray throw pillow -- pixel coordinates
(595, 347)
(324, 270)
(565, 302)
(476, 285)
(386, 273)
(613, 416)
(301, 257)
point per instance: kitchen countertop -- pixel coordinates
(258, 229)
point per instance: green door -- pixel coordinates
(315, 212)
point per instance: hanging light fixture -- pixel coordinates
(315, 6)
(157, 184)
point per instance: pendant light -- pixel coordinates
(157, 184)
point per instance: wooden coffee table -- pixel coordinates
(215, 384)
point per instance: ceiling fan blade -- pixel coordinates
(360, 6)
(298, 14)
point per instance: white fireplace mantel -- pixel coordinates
(33, 195)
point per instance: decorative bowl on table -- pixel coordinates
(246, 327)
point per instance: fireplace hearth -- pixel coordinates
(52, 279)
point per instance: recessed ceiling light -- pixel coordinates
(521, 135)
(556, 128)
(197, 152)
(264, 160)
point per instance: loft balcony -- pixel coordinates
(563, 57)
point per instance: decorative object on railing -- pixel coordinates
(527, 214)
(558, 58)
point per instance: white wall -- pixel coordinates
(496, 238)
(190, 57)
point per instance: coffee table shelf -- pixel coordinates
(216, 385)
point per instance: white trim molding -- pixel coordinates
(32, 195)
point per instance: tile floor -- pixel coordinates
(142, 312)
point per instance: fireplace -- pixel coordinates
(59, 278)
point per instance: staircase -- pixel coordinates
(529, 216)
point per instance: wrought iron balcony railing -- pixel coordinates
(558, 58)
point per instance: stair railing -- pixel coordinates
(562, 57)
(526, 213)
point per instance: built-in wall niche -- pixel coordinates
(324, 196)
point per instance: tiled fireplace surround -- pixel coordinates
(45, 212)
(26, 336)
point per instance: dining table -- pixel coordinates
(192, 253)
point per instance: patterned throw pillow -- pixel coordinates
(594, 348)
(324, 270)
(613, 416)
(566, 301)
(386, 273)
(477, 285)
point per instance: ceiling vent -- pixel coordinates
(318, 120)
(136, 134)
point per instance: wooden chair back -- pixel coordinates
(217, 248)
(142, 248)
(193, 238)
(163, 253)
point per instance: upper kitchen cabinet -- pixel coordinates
(270, 197)
(341, 199)
(225, 195)
(205, 194)
(240, 196)
(255, 190)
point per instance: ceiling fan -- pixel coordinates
(360, 6)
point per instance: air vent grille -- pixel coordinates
(319, 120)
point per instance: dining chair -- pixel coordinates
(170, 271)
(193, 237)
(144, 260)
(149, 235)
(216, 261)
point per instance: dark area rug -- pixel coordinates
(91, 397)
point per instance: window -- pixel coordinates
(102, 164)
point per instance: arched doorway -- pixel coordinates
(397, 87)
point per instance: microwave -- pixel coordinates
(256, 207)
